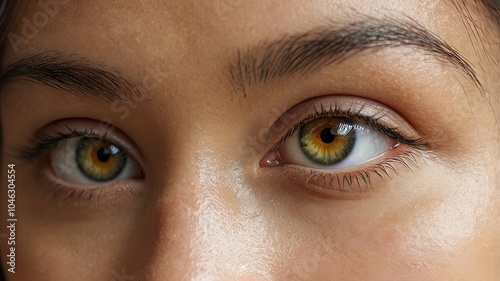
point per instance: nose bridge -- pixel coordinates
(208, 224)
(229, 225)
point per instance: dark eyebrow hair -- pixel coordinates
(70, 73)
(493, 9)
(312, 50)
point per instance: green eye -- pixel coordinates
(100, 160)
(327, 141)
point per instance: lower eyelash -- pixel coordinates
(357, 181)
(78, 197)
(62, 194)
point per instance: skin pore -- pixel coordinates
(203, 96)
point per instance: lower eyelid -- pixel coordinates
(80, 196)
(346, 182)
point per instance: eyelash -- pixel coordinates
(89, 196)
(371, 121)
(354, 179)
(357, 178)
(46, 142)
(65, 194)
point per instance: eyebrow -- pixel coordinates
(71, 73)
(321, 47)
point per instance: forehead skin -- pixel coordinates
(430, 225)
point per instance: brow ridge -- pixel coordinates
(323, 46)
(71, 73)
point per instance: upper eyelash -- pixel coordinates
(43, 142)
(372, 121)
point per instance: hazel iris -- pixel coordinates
(328, 140)
(100, 160)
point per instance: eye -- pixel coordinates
(333, 143)
(89, 160)
(336, 143)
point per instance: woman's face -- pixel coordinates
(252, 140)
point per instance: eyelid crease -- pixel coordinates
(354, 108)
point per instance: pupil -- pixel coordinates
(328, 135)
(103, 154)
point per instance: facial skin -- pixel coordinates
(207, 207)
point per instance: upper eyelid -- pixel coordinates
(43, 142)
(65, 129)
(407, 133)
